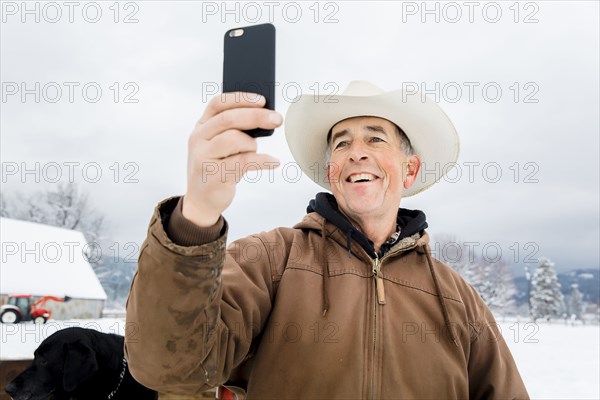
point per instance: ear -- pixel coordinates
(80, 365)
(413, 164)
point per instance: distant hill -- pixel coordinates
(587, 279)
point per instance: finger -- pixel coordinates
(234, 167)
(256, 161)
(230, 142)
(239, 118)
(227, 101)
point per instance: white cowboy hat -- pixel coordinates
(430, 131)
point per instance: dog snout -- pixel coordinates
(11, 389)
(14, 390)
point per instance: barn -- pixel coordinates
(42, 260)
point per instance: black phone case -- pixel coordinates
(249, 65)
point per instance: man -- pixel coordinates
(346, 304)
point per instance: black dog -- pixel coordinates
(78, 364)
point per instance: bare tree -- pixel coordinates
(501, 289)
(462, 258)
(64, 206)
(575, 303)
(4, 206)
(493, 280)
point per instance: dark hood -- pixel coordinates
(410, 222)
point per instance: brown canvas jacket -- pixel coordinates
(253, 316)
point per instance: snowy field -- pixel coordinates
(556, 361)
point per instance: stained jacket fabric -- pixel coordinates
(253, 316)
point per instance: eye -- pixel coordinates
(377, 139)
(341, 144)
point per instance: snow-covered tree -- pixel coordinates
(575, 302)
(4, 206)
(493, 280)
(64, 206)
(461, 257)
(546, 298)
(500, 291)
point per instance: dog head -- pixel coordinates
(62, 362)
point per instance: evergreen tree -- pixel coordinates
(575, 302)
(546, 297)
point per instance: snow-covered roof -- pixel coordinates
(19, 341)
(43, 260)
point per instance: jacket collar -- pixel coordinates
(411, 223)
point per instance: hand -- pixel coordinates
(219, 153)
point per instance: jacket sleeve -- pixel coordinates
(493, 373)
(185, 330)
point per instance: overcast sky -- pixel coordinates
(519, 81)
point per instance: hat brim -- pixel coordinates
(431, 133)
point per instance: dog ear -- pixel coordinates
(80, 364)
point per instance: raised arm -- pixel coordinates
(183, 334)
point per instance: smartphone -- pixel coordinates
(249, 65)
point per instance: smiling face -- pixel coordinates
(368, 170)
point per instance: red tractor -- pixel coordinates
(20, 308)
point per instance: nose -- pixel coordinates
(357, 151)
(11, 389)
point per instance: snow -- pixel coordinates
(43, 260)
(19, 341)
(556, 361)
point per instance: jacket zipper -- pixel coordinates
(380, 294)
(380, 297)
(378, 281)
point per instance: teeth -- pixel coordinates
(362, 177)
